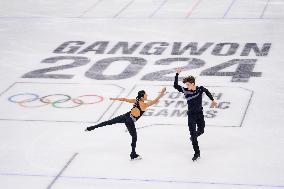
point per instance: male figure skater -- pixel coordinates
(139, 107)
(193, 95)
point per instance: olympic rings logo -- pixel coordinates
(31, 100)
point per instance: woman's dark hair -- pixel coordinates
(140, 94)
(189, 79)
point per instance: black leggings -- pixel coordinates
(126, 119)
(193, 121)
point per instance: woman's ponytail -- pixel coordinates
(140, 95)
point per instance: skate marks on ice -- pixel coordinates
(146, 9)
(62, 170)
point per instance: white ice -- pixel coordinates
(48, 148)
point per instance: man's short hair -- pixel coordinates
(189, 79)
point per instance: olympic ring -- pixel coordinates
(60, 101)
(49, 100)
(27, 100)
(100, 99)
(22, 102)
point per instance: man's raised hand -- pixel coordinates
(178, 70)
(214, 104)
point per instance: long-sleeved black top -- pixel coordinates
(194, 98)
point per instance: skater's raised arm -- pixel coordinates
(176, 85)
(214, 103)
(152, 102)
(124, 100)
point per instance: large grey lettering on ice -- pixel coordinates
(76, 61)
(134, 66)
(103, 49)
(162, 48)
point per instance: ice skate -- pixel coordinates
(196, 157)
(135, 157)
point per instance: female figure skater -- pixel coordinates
(129, 118)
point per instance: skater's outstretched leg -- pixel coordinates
(118, 119)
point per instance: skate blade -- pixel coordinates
(196, 159)
(135, 159)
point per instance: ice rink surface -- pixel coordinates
(60, 61)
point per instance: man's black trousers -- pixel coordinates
(196, 126)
